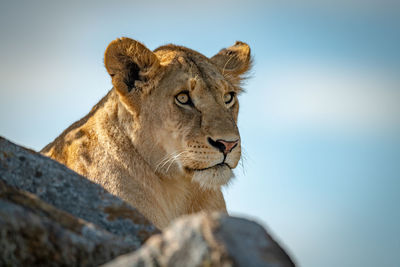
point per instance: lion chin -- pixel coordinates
(214, 177)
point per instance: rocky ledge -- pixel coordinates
(52, 216)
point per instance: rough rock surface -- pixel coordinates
(34, 233)
(51, 216)
(61, 187)
(208, 240)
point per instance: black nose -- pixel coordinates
(222, 145)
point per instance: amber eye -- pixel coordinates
(229, 97)
(183, 98)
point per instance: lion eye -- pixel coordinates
(228, 98)
(183, 98)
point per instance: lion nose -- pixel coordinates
(223, 145)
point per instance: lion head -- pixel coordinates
(182, 107)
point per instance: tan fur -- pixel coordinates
(142, 145)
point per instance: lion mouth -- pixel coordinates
(217, 166)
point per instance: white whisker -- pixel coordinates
(174, 158)
(243, 158)
(169, 159)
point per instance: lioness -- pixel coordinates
(165, 137)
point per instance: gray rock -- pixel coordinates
(34, 233)
(61, 187)
(50, 215)
(208, 240)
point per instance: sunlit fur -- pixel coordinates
(213, 178)
(141, 144)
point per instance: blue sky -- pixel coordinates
(320, 120)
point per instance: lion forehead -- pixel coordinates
(189, 61)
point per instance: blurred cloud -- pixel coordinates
(340, 99)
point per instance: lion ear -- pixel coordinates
(234, 60)
(128, 61)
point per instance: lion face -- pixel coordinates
(197, 111)
(184, 105)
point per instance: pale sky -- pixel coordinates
(319, 122)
